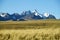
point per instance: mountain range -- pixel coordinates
(26, 15)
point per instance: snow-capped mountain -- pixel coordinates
(37, 15)
(48, 16)
(4, 16)
(26, 15)
(35, 12)
(31, 15)
(51, 17)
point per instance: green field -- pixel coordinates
(30, 30)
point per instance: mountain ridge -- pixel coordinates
(26, 15)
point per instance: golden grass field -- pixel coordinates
(30, 30)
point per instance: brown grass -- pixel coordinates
(34, 24)
(30, 34)
(30, 30)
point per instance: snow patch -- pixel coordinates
(46, 14)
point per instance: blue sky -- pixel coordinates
(49, 6)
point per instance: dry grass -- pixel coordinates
(30, 30)
(31, 34)
(34, 24)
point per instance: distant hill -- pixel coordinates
(26, 15)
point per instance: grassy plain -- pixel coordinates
(31, 24)
(30, 30)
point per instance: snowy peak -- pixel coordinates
(4, 14)
(29, 15)
(46, 14)
(35, 12)
(41, 15)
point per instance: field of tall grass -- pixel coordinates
(30, 34)
(30, 30)
(31, 24)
